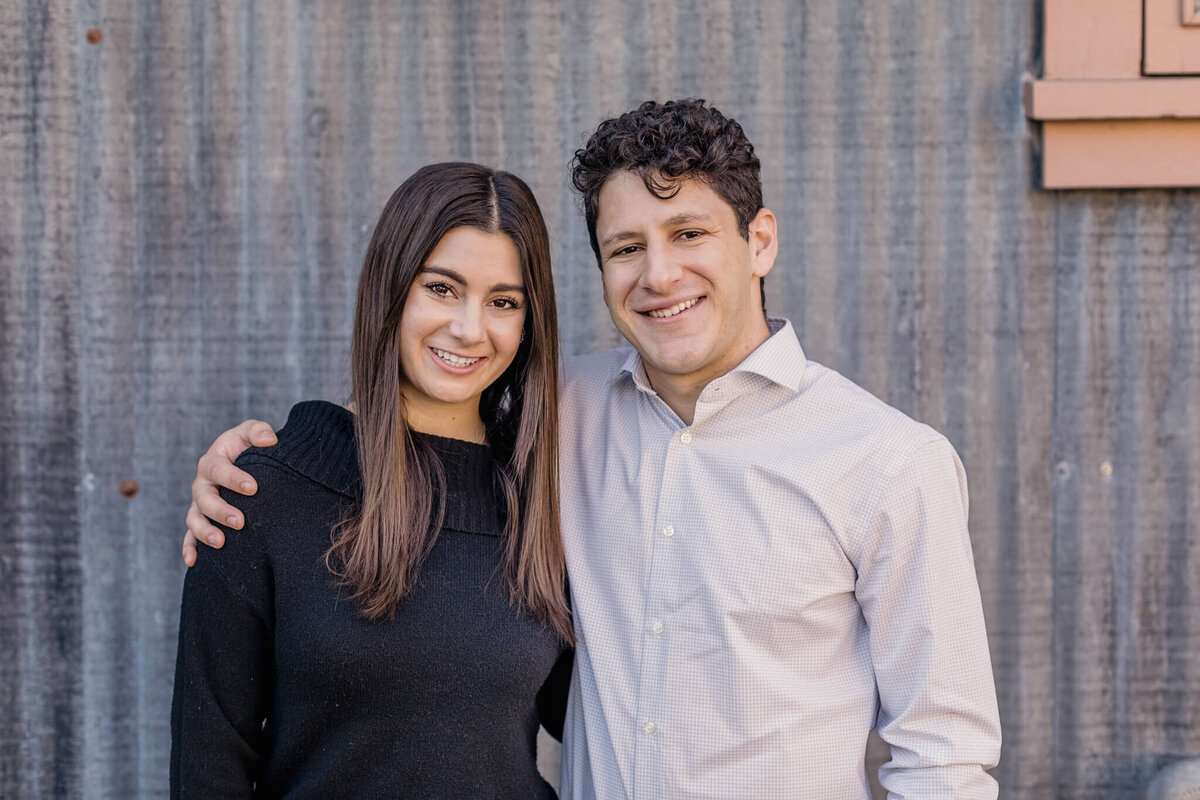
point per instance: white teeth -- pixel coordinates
(675, 309)
(453, 360)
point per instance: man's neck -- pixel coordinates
(680, 392)
(680, 399)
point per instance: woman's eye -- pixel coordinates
(440, 289)
(506, 302)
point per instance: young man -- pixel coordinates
(766, 561)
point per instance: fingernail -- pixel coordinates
(231, 521)
(214, 541)
(247, 486)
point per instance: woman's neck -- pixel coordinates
(451, 423)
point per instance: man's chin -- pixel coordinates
(672, 364)
(673, 354)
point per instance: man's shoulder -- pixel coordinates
(592, 368)
(855, 412)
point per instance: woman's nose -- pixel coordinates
(467, 325)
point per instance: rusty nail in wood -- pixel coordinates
(94, 36)
(129, 489)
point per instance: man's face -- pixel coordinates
(680, 281)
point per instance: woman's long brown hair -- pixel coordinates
(379, 549)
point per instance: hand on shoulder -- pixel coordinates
(214, 470)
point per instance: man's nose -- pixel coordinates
(660, 268)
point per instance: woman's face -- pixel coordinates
(460, 329)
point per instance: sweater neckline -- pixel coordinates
(318, 442)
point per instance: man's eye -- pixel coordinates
(625, 251)
(690, 235)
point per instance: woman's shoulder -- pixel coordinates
(316, 445)
(308, 477)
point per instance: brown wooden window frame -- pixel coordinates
(1105, 121)
(1172, 37)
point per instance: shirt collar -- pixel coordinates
(779, 359)
(637, 370)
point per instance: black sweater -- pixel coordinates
(442, 701)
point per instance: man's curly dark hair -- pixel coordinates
(664, 143)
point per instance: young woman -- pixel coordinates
(387, 623)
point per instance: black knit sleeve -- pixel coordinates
(224, 667)
(552, 697)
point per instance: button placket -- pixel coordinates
(660, 588)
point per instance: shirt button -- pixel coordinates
(657, 627)
(669, 531)
(686, 437)
(649, 727)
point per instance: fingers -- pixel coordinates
(252, 432)
(208, 501)
(189, 549)
(261, 433)
(216, 469)
(202, 529)
(216, 466)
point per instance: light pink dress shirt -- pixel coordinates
(755, 592)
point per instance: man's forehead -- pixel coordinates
(630, 180)
(688, 198)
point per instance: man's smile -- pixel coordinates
(673, 310)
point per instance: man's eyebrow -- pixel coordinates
(683, 218)
(616, 237)
(457, 277)
(686, 217)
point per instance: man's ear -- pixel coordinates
(764, 244)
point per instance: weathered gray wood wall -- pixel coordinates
(185, 203)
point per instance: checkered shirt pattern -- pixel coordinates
(755, 592)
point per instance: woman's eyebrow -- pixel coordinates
(455, 276)
(445, 272)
